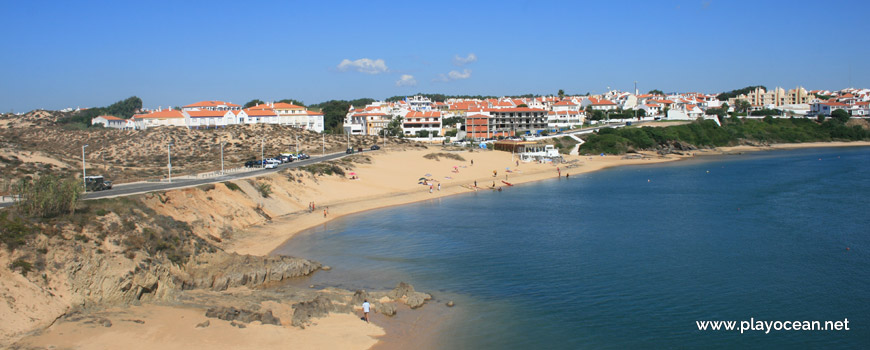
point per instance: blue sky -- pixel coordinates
(60, 54)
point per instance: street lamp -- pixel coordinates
(323, 149)
(263, 152)
(222, 156)
(169, 157)
(84, 175)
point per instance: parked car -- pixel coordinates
(271, 165)
(302, 156)
(349, 151)
(286, 158)
(97, 183)
(375, 147)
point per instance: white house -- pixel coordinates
(598, 104)
(169, 117)
(826, 108)
(565, 119)
(110, 121)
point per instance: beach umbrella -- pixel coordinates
(428, 175)
(422, 178)
(352, 173)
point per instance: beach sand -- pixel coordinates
(164, 327)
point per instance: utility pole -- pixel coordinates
(262, 152)
(323, 149)
(297, 144)
(84, 181)
(385, 139)
(222, 157)
(169, 157)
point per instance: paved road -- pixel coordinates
(145, 187)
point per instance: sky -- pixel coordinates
(58, 54)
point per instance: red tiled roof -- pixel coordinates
(517, 109)
(202, 114)
(167, 114)
(433, 114)
(260, 112)
(212, 104)
(109, 117)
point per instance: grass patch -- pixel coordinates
(24, 265)
(232, 186)
(13, 230)
(438, 156)
(324, 168)
(265, 189)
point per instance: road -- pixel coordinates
(145, 187)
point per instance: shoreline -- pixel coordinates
(263, 239)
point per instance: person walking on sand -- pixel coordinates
(366, 308)
(324, 213)
(472, 162)
(439, 186)
(518, 162)
(475, 183)
(494, 173)
(430, 188)
(558, 171)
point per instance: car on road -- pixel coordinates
(302, 156)
(349, 151)
(375, 147)
(270, 165)
(286, 158)
(97, 183)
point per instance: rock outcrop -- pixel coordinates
(219, 271)
(405, 292)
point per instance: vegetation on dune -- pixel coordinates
(48, 196)
(122, 109)
(708, 134)
(437, 156)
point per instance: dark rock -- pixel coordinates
(105, 322)
(244, 316)
(204, 324)
(411, 297)
(304, 311)
(359, 297)
(385, 309)
(238, 325)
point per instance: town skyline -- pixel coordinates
(94, 54)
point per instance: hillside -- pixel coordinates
(34, 143)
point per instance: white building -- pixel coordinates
(598, 104)
(169, 117)
(826, 108)
(418, 121)
(110, 121)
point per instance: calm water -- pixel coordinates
(610, 260)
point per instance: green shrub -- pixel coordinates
(265, 189)
(101, 212)
(437, 156)
(23, 264)
(232, 186)
(13, 231)
(48, 196)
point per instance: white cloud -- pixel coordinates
(364, 65)
(406, 80)
(457, 60)
(454, 75)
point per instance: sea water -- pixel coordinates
(630, 257)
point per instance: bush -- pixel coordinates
(48, 196)
(437, 156)
(232, 186)
(265, 189)
(23, 264)
(13, 231)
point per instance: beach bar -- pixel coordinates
(528, 151)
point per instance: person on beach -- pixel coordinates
(567, 175)
(324, 212)
(558, 171)
(439, 186)
(494, 173)
(430, 188)
(475, 183)
(518, 162)
(472, 162)
(366, 307)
